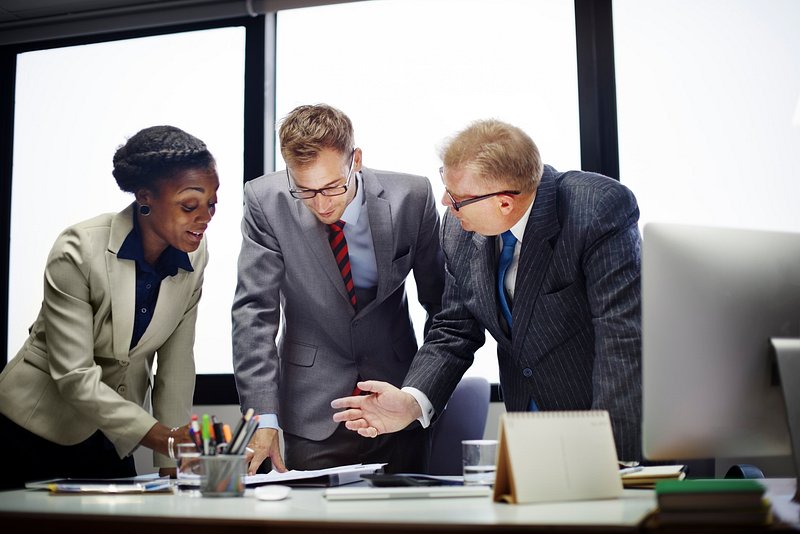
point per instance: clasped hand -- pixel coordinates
(384, 410)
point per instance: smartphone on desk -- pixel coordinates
(386, 480)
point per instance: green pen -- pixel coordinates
(206, 433)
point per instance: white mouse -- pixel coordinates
(272, 492)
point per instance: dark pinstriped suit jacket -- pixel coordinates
(577, 318)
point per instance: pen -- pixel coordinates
(239, 429)
(206, 431)
(217, 427)
(252, 426)
(194, 432)
(244, 436)
(629, 470)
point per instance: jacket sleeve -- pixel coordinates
(612, 265)
(256, 310)
(173, 390)
(455, 334)
(429, 261)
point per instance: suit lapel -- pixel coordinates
(317, 238)
(535, 255)
(121, 284)
(483, 266)
(380, 225)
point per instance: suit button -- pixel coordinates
(355, 324)
(527, 372)
(124, 363)
(122, 389)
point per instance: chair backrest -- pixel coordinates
(464, 417)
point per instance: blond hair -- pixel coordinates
(307, 130)
(496, 152)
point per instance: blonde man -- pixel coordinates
(549, 264)
(327, 246)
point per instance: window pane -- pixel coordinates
(708, 94)
(411, 73)
(75, 106)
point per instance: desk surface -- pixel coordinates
(308, 509)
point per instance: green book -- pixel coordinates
(712, 494)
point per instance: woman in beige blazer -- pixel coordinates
(79, 397)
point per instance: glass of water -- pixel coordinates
(479, 460)
(189, 468)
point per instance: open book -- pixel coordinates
(647, 476)
(332, 476)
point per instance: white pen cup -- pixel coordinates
(479, 458)
(188, 473)
(222, 475)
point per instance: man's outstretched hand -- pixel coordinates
(386, 409)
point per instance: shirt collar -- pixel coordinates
(353, 210)
(519, 227)
(167, 264)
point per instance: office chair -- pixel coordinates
(464, 417)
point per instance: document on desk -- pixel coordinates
(418, 492)
(320, 478)
(556, 456)
(72, 486)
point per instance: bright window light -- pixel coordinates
(75, 106)
(708, 95)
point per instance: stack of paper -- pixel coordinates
(647, 476)
(712, 502)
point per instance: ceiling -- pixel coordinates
(30, 10)
(23, 21)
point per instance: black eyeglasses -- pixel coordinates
(333, 191)
(458, 204)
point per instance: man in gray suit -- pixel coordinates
(549, 264)
(327, 245)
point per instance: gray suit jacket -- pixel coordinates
(76, 374)
(576, 343)
(288, 277)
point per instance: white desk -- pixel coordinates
(307, 509)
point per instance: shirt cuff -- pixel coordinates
(424, 404)
(268, 420)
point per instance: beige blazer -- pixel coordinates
(75, 373)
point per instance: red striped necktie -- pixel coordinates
(342, 257)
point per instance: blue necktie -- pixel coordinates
(506, 255)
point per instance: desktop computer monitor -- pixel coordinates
(712, 301)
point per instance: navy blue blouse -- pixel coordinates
(149, 277)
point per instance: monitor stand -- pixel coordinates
(787, 353)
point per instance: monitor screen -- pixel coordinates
(712, 298)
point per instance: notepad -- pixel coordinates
(556, 456)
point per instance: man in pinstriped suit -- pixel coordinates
(573, 289)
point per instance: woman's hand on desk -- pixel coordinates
(386, 409)
(158, 438)
(265, 444)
